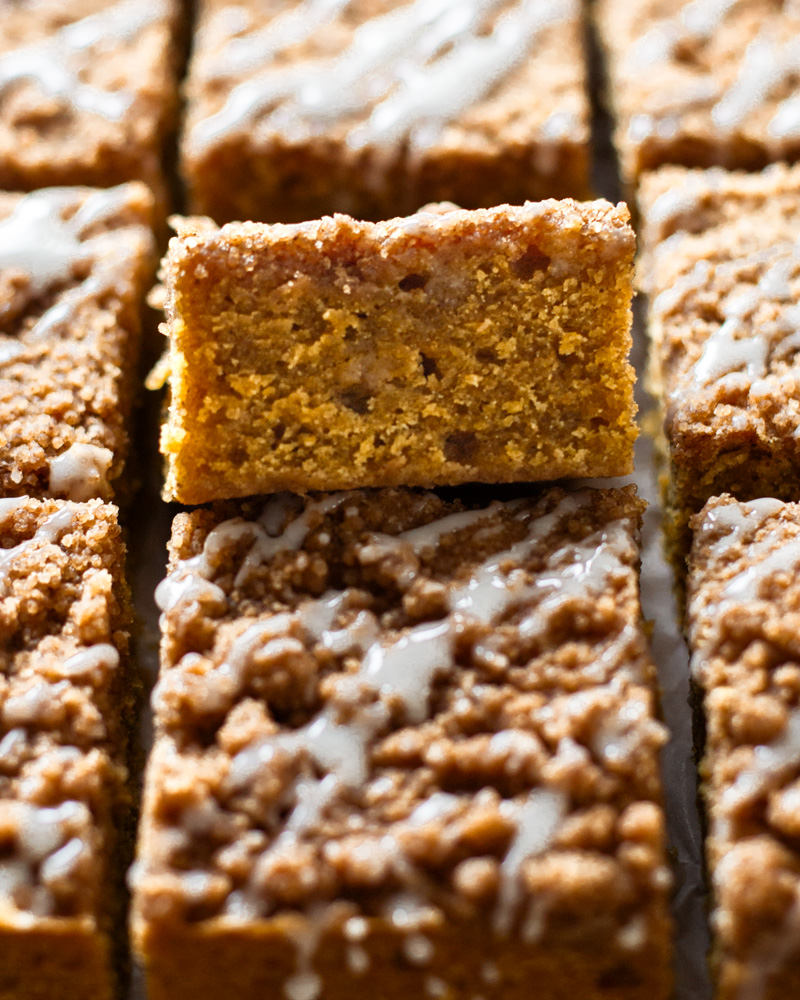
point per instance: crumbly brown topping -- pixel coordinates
(391, 91)
(62, 695)
(411, 708)
(744, 624)
(74, 266)
(88, 91)
(722, 269)
(703, 81)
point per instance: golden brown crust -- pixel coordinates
(441, 348)
(405, 873)
(517, 128)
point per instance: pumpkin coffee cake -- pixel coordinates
(405, 748)
(300, 108)
(744, 634)
(75, 264)
(722, 269)
(88, 92)
(446, 347)
(702, 83)
(66, 706)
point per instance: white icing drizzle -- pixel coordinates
(100, 657)
(742, 344)
(764, 67)
(332, 748)
(51, 841)
(422, 64)
(50, 530)
(57, 63)
(537, 826)
(696, 20)
(190, 581)
(47, 248)
(786, 122)
(81, 472)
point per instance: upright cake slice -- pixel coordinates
(75, 264)
(722, 268)
(407, 748)
(446, 347)
(87, 92)
(375, 107)
(702, 83)
(744, 629)
(66, 704)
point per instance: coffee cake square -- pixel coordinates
(744, 621)
(75, 264)
(375, 107)
(66, 707)
(404, 745)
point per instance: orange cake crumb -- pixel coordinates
(446, 347)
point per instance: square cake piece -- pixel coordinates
(375, 107)
(66, 707)
(404, 747)
(75, 264)
(744, 634)
(88, 92)
(446, 347)
(702, 83)
(722, 269)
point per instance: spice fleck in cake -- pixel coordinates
(66, 705)
(75, 264)
(375, 107)
(407, 747)
(446, 347)
(703, 83)
(722, 268)
(87, 92)
(743, 615)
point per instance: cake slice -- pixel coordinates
(744, 622)
(75, 264)
(702, 83)
(374, 108)
(404, 746)
(66, 707)
(88, 92)
(446, 347)
(722, 270)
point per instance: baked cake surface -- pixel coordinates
(702, 83)
(75, 264)
(88, 92)
(405, 746)
(722, 269)
(66, 705)
(375, 107)
(744, 623)
(446, 347)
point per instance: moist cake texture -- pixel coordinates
(375, 107)
(87, 92)
(702, 83)
(722, 269)
(75, 264)
(743, 616)
(407, 746)
(65, 711)
(446, 347)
